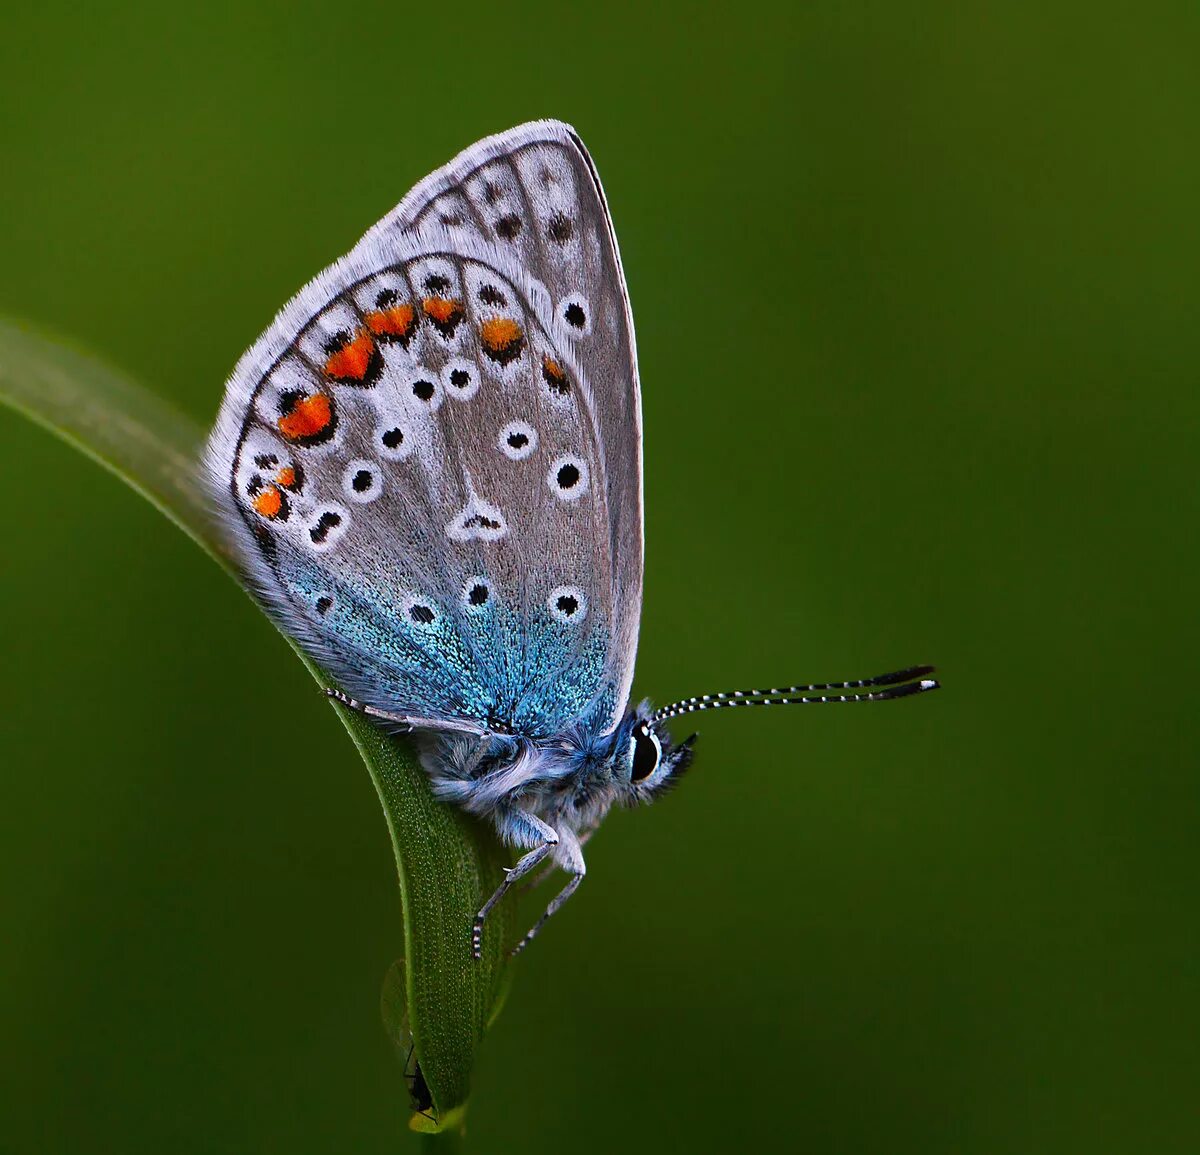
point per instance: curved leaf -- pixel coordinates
(447, 863)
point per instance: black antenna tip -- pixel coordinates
(911, 688)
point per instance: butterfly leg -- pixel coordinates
(575, 865)
(350, 703)
(534, 883)
(555, 904)
(523, 829)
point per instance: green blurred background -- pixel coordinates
(916, 293)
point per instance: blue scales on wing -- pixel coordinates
(416, 454)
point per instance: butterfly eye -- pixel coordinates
(647, 752)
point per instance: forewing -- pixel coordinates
(533, 193)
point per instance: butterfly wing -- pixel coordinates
(534, 192)
(412, 462)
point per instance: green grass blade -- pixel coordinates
(446, 862)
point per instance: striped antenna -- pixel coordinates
(901, 684)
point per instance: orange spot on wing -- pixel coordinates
(352, 361)
(444, 312)
(499, 332)
(308, 418)
(269, 502)
(554, 376)
(502, 338)
(394, 324)
(286, 477)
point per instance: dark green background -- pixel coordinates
(916, 292)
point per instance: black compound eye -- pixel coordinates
(646, 753)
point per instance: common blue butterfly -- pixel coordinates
(430, 466)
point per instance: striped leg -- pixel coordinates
(570, 856)
(344, 699)
(523, 829)
(555, 905)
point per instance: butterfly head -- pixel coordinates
(647, 761)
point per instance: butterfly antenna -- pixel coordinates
(902, 683)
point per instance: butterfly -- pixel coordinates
(430, 468)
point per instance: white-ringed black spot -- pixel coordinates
(324, 604)
(423, 390)
(460, 379)
(577, 313)
(567, 604)
(362, 480)
(423, 615)
(490, 295)
(477, 520)
(328, 520)
(518, 440)
(395, 440)
(386, 298)
(436, 283)
(476, 593)
(568, 477)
